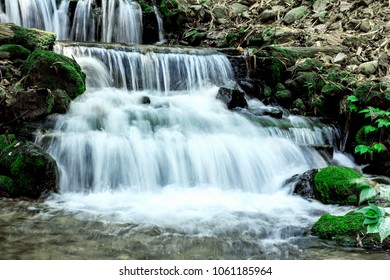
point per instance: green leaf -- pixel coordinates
(363, 149)
(373, 228)
(361, 185)
(367, 194)
(352, 98)
(384, 228)
(367, 112)
(370, 214)
(379, 147)
(370, 221)
(382, 123)
(363, 210)
(353, 108)
(369, 128)
(376, 209)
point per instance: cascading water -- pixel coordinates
(160, 25)
(175, 160)
(113, 21)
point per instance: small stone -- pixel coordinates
(385, 81)
(238, 9)
(346, 6)
(295, 14)
(368, 68)
(221, 12)
(351, 68)
(320, 5)
(336, 26)
(340, 57)
(365, 26)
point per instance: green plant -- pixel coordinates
(379, 124)
(376, 218)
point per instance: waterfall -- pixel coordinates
(162, 126)
(145, 67)
(160, 25)
(113, 21)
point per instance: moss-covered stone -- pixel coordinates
(348, 230)
(30, 38)
(15, 51)
(342, 229)
(195, 37)
(32, 171)
(333, 88)
(336, 185)
(46, 69)
(174, 18)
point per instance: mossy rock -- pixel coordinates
(348, 230)
(30, 38)
(47, 69)
(333, 89)
(195, 37)
(32, 170)
(342, 229)
(174, 18)
(15, 51)
(335, 185)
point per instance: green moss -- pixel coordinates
(333, 88)
(195, 37)
(232, 39)
(145, 7)
(34, 39)
(168, 7)
(5, 145)
(54, 71)
(15, 51)
(6, 184)
(342, 229)
(335, 185)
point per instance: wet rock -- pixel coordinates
(303, 184)
(295, 14)
(45, 69)
(35, 103)
(27, 170)
(232, 97)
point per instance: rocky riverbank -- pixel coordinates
(35, 83)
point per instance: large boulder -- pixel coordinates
(29, 38)
(337, 185)
(26, 170)
(45, 69)
(232, 97)
(34, 104)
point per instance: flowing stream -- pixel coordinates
(154, 166)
